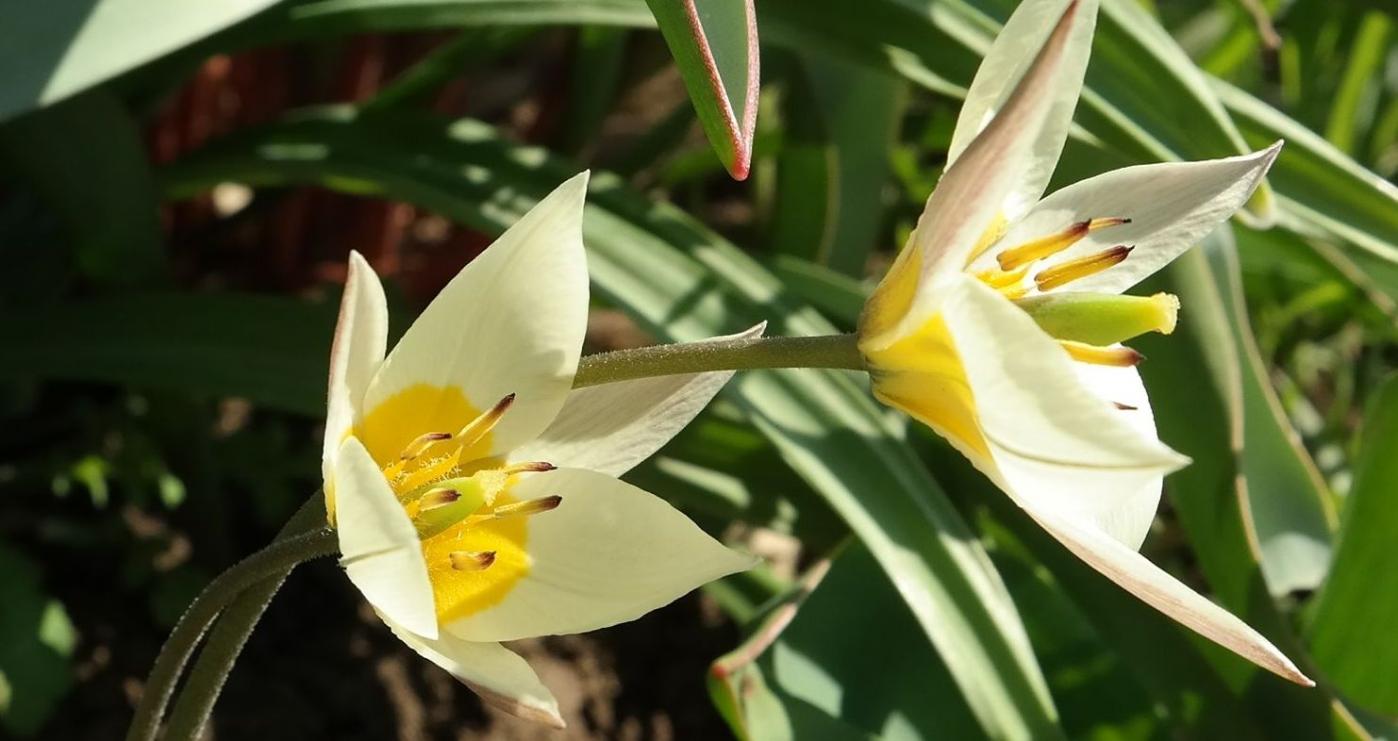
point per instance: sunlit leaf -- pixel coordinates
(714, 43)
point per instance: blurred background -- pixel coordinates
(175, 218)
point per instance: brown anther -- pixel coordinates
(1072, 270)
(1124, 407)
(529, 467)
(481, 426)
(1053, 244)
(471, 560)
(437, 498)
(420, 445)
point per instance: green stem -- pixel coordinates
(300, 541)
(750, 353)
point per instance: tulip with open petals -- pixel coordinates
(474, 492)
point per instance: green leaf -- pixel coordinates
(855, 653)
(714, 43)
(839, 123)
(1352, 633)
(1321, 189)
(270, 351)
(1289, 505)
(55, 49)
(1203, 421)
(683, 282)
(1363, 75)
(86, 160)
(34, 656)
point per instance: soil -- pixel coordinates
(321, 666)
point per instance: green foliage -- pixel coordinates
(946, 612)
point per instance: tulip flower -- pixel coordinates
(1000, 324)
(474, 493)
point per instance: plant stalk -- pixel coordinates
(750, 353)
(300, 540)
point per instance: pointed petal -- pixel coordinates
(1079, 467)
(609, 553)
(967, 202)
(511, 322)
(501, 678)
(1056, 445)
(1172, 207)
(361, 335)
(1003, 67)
(612, 427)
(379, 548)
(1137, 575)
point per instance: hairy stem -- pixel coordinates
(826, 351)
(300, 540)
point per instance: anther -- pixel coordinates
(1072, 270)
(528, 467)
(1124, 407)
(529, 506)
(420, 445)
(437, 498)
(471, 560)
(1118, 357)
(1055, 243)
(518, 509)
(481, 426)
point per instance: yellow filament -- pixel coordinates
(1117, 357)
(1002, 278)
(1072, 270)
(989, 237)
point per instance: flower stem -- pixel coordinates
(300, 540)
(750, 353)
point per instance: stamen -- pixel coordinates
(528, 467)
(1002, 278)
(518, 509)
(482, 425)
(1082, 267)
(437, 498)
(1124, 407)
(992, 234)
(471, 560)
(1118, 357)
(421, 444)
(1055, 243)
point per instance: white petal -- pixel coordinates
(1172, 207)
(361, 335)
(969, 197)
(1004, 65)
(1137, 575)
(1040, 419)
(609, 553)
(612, 427)
(379, 548)
(511, 322)
(1057, 446)
(501, 678)
(1130, 520)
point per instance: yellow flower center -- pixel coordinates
(434, 447)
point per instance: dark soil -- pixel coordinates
(321, 666)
